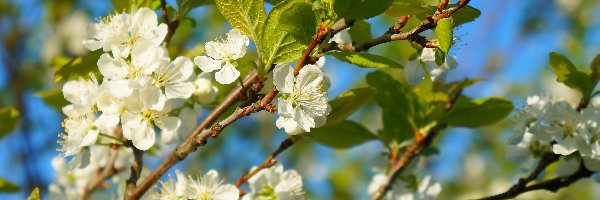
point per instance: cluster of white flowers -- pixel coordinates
(208, 186)
(414, 70)
(303, 102)
(222, 56)
(275, 183)
(408, 188)
(546, 124)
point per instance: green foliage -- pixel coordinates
(360, 31)
(185, 6)
(278, 44)
(595, 67)
(476, 113)
(9, 118)
(409, 7)
(248, 16)
(7, 186)
(54, 98)
(444, 33)
(35, 194)
(360, 9)
(465, 15)
(127, 5)
(569, 75)
(347, 103)
(402, 109)
(342, 135)
(65, 69)
(365, 60)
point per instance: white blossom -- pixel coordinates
(173, 189)
(221, 56)
(209, 186)
(275, 183)
(407, 189)
(303, 102)
(205, 92)
(414, 71)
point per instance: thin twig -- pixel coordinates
(172, 25)
(136, 169)
(269, 162)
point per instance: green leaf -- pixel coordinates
(360, 9)
(299, 22)
(409, 7)
(465, 14)
(185, 6)
(75, 68)
(360, 31)
(347, 103)
(248, 16)
(54, 98)
(365, 60)
(7, 186)
(444, 33)
(476, 113)
(9, 118)
(127, 5)
(278, 44)
(595, 67)
(35, 195)
(568, 74)
(402, 109)
(342, 135)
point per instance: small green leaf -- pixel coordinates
(465, 14)
(343, 135)
(409, 7)
(595, 67)
(9, 118)
(185, 6)
(360, 9)
(35, 195)
(568, 74)
(402, 109)
(365, 60)
(360, 31)
(444, 33)
(75, 68)
(248, 16)
(54, 98)
(278, 44)
(347, 103)
(476, 113)
(8, 187)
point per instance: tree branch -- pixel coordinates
(136, 169)
(269, 162)
(552, 185)
(412, 35)
(172, 25)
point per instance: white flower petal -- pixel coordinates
(181, 90)
(112, 68)
(144, 138)
(228, 74)
(207, 64)
(413, 72)
(283, 78)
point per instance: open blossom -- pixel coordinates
(82, 94)
(119, 32)
(414, 71)
(275, 183)
(173, 189)
(424, 189)
(221, 55)
(209, 186)
(140, 119)
(173, 79)
(303, 102)
(205, 92)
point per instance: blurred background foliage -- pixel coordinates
(507, 47)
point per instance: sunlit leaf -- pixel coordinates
(475, 113)
(9, 118)
(7, 186)
(569, 75)
(342, 135)
(347, 103)
(366, 60)
(444, 33)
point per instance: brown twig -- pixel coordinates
(136, 169)
(172, 25)
(412, 35)
(269, 162)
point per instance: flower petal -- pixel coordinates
(207, 64)
(283, 78)
(228, 74)
(181, 90)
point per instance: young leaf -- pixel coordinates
(9, 118)
(77, 67)
(7, 186)
(409, 7)
(465, 14)
(595, 67)
(360, 31)
(568, 74)
(279, 45)
(402, 109)
(444, 33)
(476, 113)
(360, 9)
(300, 22)
(35, 195)
(347, 103)
(365, 60)
(342, 135)
(248, 16)
(54, 98)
